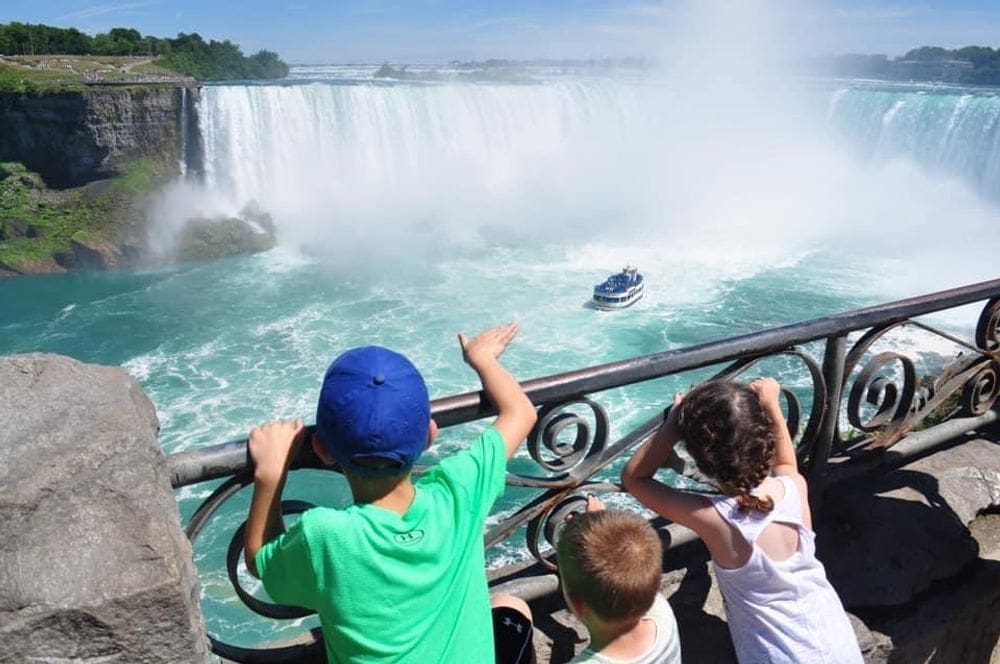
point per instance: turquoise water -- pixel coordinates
(222, 346)
(409, 213)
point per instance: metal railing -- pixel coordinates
(862, 401)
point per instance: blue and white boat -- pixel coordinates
(619, 290)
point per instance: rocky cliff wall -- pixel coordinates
(74, 137)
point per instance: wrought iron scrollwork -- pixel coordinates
(892, 401)
(902, 398)
(980, 392)
(198, 521)
(988, 327)
(235, 552)
(546, 525)
(793, 414)
(575, 458)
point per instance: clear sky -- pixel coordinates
(340, 31)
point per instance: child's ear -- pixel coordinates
(578, 606)
(321, 452)
(432, 432)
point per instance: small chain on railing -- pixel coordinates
(886, 398)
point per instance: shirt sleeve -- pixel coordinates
(285, 567)
(480, 471)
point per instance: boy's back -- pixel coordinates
(382, 582)
(400, 575)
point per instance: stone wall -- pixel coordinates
(94, 565)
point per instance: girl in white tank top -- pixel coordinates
(779, 604)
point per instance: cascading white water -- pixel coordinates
(357, 158)
(358, 170)
(184, 130)
(955, 132)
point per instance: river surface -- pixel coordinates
(408, 211)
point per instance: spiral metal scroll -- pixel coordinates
(893, 402)
(573, 459)
(981, 391)
(901, 403)
(546, 525)
(988, 328)
(793, 416)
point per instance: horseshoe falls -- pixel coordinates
(954, 132)
(407, 211)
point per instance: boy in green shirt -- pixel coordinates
(399, 576)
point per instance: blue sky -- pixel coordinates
(439, 30)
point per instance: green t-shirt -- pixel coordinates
(393, 588)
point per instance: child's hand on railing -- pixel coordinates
(673, 416)
(768, 391)
(273, 447)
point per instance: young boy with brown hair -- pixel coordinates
(399, 576)
(610, 563)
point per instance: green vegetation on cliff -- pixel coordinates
(187, 54)
(102, 224)
(42, 74)
(43, 230)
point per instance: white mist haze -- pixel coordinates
(722, 152)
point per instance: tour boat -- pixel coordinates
(619, 290)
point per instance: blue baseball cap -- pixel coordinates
(373, 406)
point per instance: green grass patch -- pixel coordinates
(37, 224)
(69, 73)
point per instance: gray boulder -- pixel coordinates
(886, 543)
(93, 563)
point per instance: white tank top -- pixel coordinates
(782, 611)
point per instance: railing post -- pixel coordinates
(833, 375)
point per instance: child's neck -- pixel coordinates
(389, 493)
(621, 641)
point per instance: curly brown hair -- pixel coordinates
(730, 437)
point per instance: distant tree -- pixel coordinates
(187, 54)
(928, 54)
(267, 64)
(978, 55)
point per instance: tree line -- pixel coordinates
(978, 65)
(187, 54)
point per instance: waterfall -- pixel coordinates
(956, 132)
(276, 142)
(184, 133)
(350, 167)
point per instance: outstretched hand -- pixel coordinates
(487, 345)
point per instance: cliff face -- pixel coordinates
(80, 172)
(71, 138)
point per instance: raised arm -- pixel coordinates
(272, 448)
(769, 392)
(785, 460)
(515, 412)
(638, 476)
